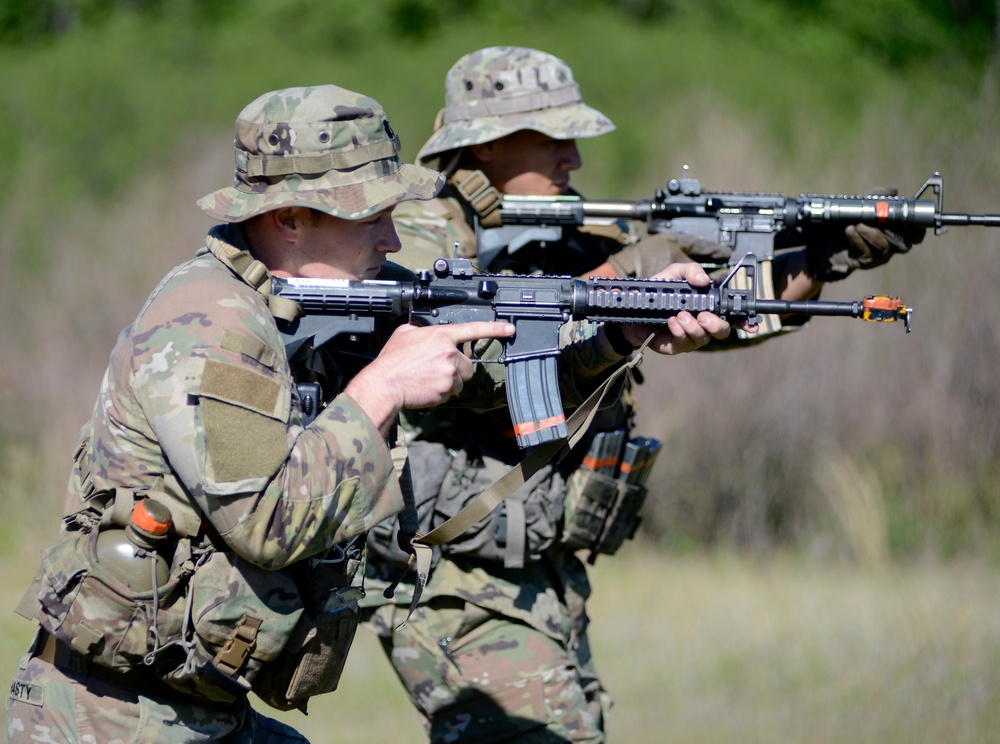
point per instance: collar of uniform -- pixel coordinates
(228, 244)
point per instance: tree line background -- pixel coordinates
(844, 440)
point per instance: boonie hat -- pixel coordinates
(497, 91)
(322, 147)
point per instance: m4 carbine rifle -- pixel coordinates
(745, 222)
(537, 306)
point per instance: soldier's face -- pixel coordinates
(528, 163)
(332, 248)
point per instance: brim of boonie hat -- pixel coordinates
(575, 121)
(350, 202)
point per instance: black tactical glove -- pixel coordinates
(654, 253)
(832, 256)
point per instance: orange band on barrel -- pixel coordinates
(882, 210)
(530, 427)
(882, 302)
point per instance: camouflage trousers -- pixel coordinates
(478, 676)
(62, 704)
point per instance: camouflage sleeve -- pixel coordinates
(210, 378)
(429, 230)
(585, 362)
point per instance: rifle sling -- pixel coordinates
(475, 188)
(255, 273)
(480, 507)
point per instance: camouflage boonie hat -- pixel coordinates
(501, 90)
(322, 147)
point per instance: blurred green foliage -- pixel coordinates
(98, 89)
(898, 31)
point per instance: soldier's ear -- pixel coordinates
(287, 222)
(483, 152)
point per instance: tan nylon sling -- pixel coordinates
(577, 425)
(484, 198)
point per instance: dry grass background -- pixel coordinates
(751, 435)
(718, 648)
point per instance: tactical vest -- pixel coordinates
(218, 626)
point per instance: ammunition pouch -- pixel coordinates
(605, 494)
(218, 628)
(589, 509)
(601, 512)
(242, 617)
(525, 525)
(313, 659)
(469, 504)
(445, 480)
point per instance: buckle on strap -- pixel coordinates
(475, 188)
(46, 646)
(253, 271)
(234, 654)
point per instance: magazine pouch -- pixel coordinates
(605, 494)
(242, 616)
(313, 660)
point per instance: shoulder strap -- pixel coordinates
(255, 273)
(474, 187)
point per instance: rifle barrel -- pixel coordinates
(622, 210)
(817, 307)
(989, 220)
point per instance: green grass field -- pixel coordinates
(722, 649)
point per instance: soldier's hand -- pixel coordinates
(419, 367)
(834, 256)
(684, 332)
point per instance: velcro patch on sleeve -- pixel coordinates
(241, 443)
(240, 386)
(245, 414)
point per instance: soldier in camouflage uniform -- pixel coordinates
(199, 445)
(497, 650)
(198, 411)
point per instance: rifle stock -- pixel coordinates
(537, 306)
